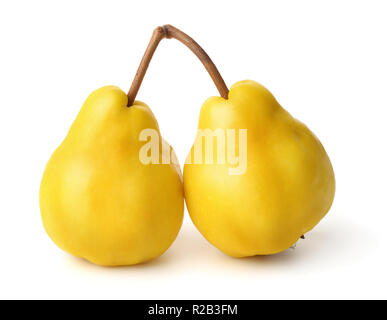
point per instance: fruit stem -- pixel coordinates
(170, 32)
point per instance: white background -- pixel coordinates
(325, 61)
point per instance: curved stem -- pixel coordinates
(169, 32)
(157, 36)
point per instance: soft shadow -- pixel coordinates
(158, 263)
(190, 245)
(332, 244)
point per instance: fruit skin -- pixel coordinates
(97, 200)
(288, 186)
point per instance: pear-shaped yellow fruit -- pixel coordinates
(98, 200)
(284, 189)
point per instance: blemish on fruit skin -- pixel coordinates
(296, 136)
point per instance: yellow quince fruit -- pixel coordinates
(279, 186)
(98, 200)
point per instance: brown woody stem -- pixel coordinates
(169, 32)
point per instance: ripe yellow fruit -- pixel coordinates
(287, 188)
(98, 200)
